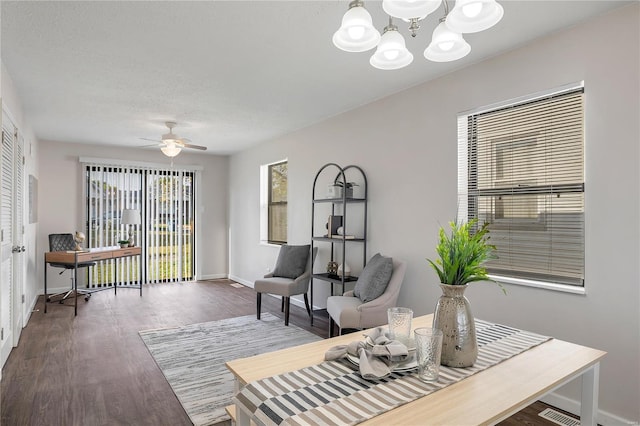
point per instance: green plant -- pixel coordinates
(123, 242)
(463, 254)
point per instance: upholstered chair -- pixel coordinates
(290, 276)
(349, 311)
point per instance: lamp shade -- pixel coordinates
(357, 33)
(171, 150)
(471, 16)
(446, 45)
(407, 9)
(130, 217)
(391, 53)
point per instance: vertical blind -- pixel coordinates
(165, 199)
(522, 171)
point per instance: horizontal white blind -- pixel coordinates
(524, 167)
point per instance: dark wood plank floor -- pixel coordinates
(94, 369)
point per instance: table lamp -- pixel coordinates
(131, 217)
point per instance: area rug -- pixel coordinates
(192, 358)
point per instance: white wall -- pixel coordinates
(61, 204)
(406, 144)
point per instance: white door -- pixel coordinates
(19, 255)
(6, 238)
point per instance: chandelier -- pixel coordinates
(357, 33)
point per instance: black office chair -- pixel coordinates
(65, 242)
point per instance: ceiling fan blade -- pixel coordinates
(151, 140)
(192, 146)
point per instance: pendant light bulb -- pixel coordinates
(392, 53)
(357, 33)
(472, 10)
(407, 9)
(446, 45)
(472, 16)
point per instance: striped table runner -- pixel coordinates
(333, 393)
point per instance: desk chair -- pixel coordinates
(66, 242)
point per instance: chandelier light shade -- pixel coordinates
(408, 9)
(446, 45)
(472, 16)
(171, 150)
(392, 52)
(357, 33)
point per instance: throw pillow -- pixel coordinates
(292, 261)
(374, 279)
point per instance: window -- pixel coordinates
(521, 169)
(165, 199)
(273, 221)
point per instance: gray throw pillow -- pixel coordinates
(292, 261)
(374, 279)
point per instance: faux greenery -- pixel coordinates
(463, 253)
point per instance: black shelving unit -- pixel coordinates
(340, 205)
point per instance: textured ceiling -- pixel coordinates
(231, 73)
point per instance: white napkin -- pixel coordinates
(375, 361)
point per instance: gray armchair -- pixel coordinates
(285, 287)
(350, 312)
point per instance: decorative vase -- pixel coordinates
(346, 269)
(453, 316)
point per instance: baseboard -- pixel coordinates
(27, 317)
(241, 281)
(212, 277)
(572, 406)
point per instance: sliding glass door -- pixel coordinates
(165, 200)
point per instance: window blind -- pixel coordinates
(522, 171)
(165, 199)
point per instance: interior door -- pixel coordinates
(18, 249)
(6, 238)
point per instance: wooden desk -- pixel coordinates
(77, 257)
(485, 398)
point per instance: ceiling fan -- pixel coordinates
(171, 144)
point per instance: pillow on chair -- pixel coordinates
(374, 278)
(292, 261)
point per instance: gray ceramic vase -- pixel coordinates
(453, 316)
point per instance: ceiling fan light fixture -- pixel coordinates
(357, 33)
(446, 45)
(171, 150)
(472, 16)
(407, 9)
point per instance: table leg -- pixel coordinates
(589, 399)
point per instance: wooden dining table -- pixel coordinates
(485, 398)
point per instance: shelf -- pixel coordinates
(337, 208)
(337, 240)
(339, 200)
(326, 277)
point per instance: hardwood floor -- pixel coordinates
(94, 369)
